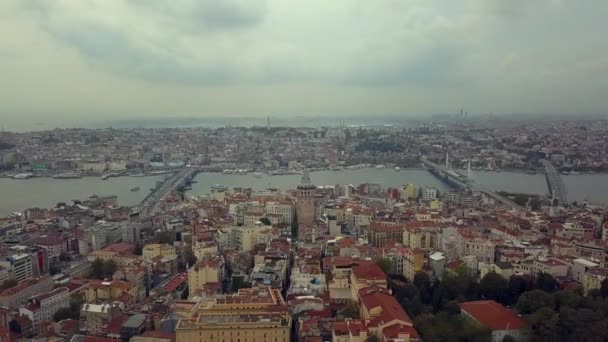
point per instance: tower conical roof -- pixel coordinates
(305, 178)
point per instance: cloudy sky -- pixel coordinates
(89, 59)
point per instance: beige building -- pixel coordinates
(483, 250)
(592, 279)
(413, 261)
(94, 318)
(209, 270)
(252, 315)
(284, 210)
(154, 250)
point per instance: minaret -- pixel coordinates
(447, 160)
(469, 170)
(305, 200)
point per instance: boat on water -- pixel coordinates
(219, 187)
(575, 173)
(397, 168)
(108, 175)
(380, 166)
(135, 188)
(257, 175)
(23, 175)
(67, 175)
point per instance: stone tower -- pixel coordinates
(305, 201)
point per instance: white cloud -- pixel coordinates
(196, 56)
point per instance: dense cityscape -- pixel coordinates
(303, 171)
(317, 262)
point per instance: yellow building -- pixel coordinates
(409, 192)
(102, 254)
(412, 262)
(592, 279)
(436, 205)
(252, 315)
(154, 250)
(109, 290)
(207, 270)
(202, 248)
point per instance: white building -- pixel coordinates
(44, 306)
(579, 267)
(429, 193)
(19, 265)
(285, 209)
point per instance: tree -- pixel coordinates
(109, 268)
(97, 266)
(517, 286)
(385, 264)
(422, 280)
(604, 288)
(546, 282)
(566, 298)
(452, 307)
(104, 269)
(61, 314)
(350, 310)
(265, 221)
(493, 286)
(532, 301)
(8, 283)
(543, 325)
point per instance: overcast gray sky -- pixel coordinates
(85, 59)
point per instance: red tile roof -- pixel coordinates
(393, 332)
(372, 297)
(368, 270)
(492, 315)
(176, 282)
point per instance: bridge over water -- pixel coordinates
(465, 182)
(555, 183)
(180, 179)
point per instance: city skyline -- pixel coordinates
(68, 62)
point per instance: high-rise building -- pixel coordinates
(20, 265)
(255, 314)
(305, 202)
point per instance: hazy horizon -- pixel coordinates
(81, 63)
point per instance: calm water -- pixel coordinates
(17, 195)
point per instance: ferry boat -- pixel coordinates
(397, 168)
(67, 175)
(257, 175)
(135, 188)
(23, 175)
(108, 175)
(219, 187)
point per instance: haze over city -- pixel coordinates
(75, 62)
